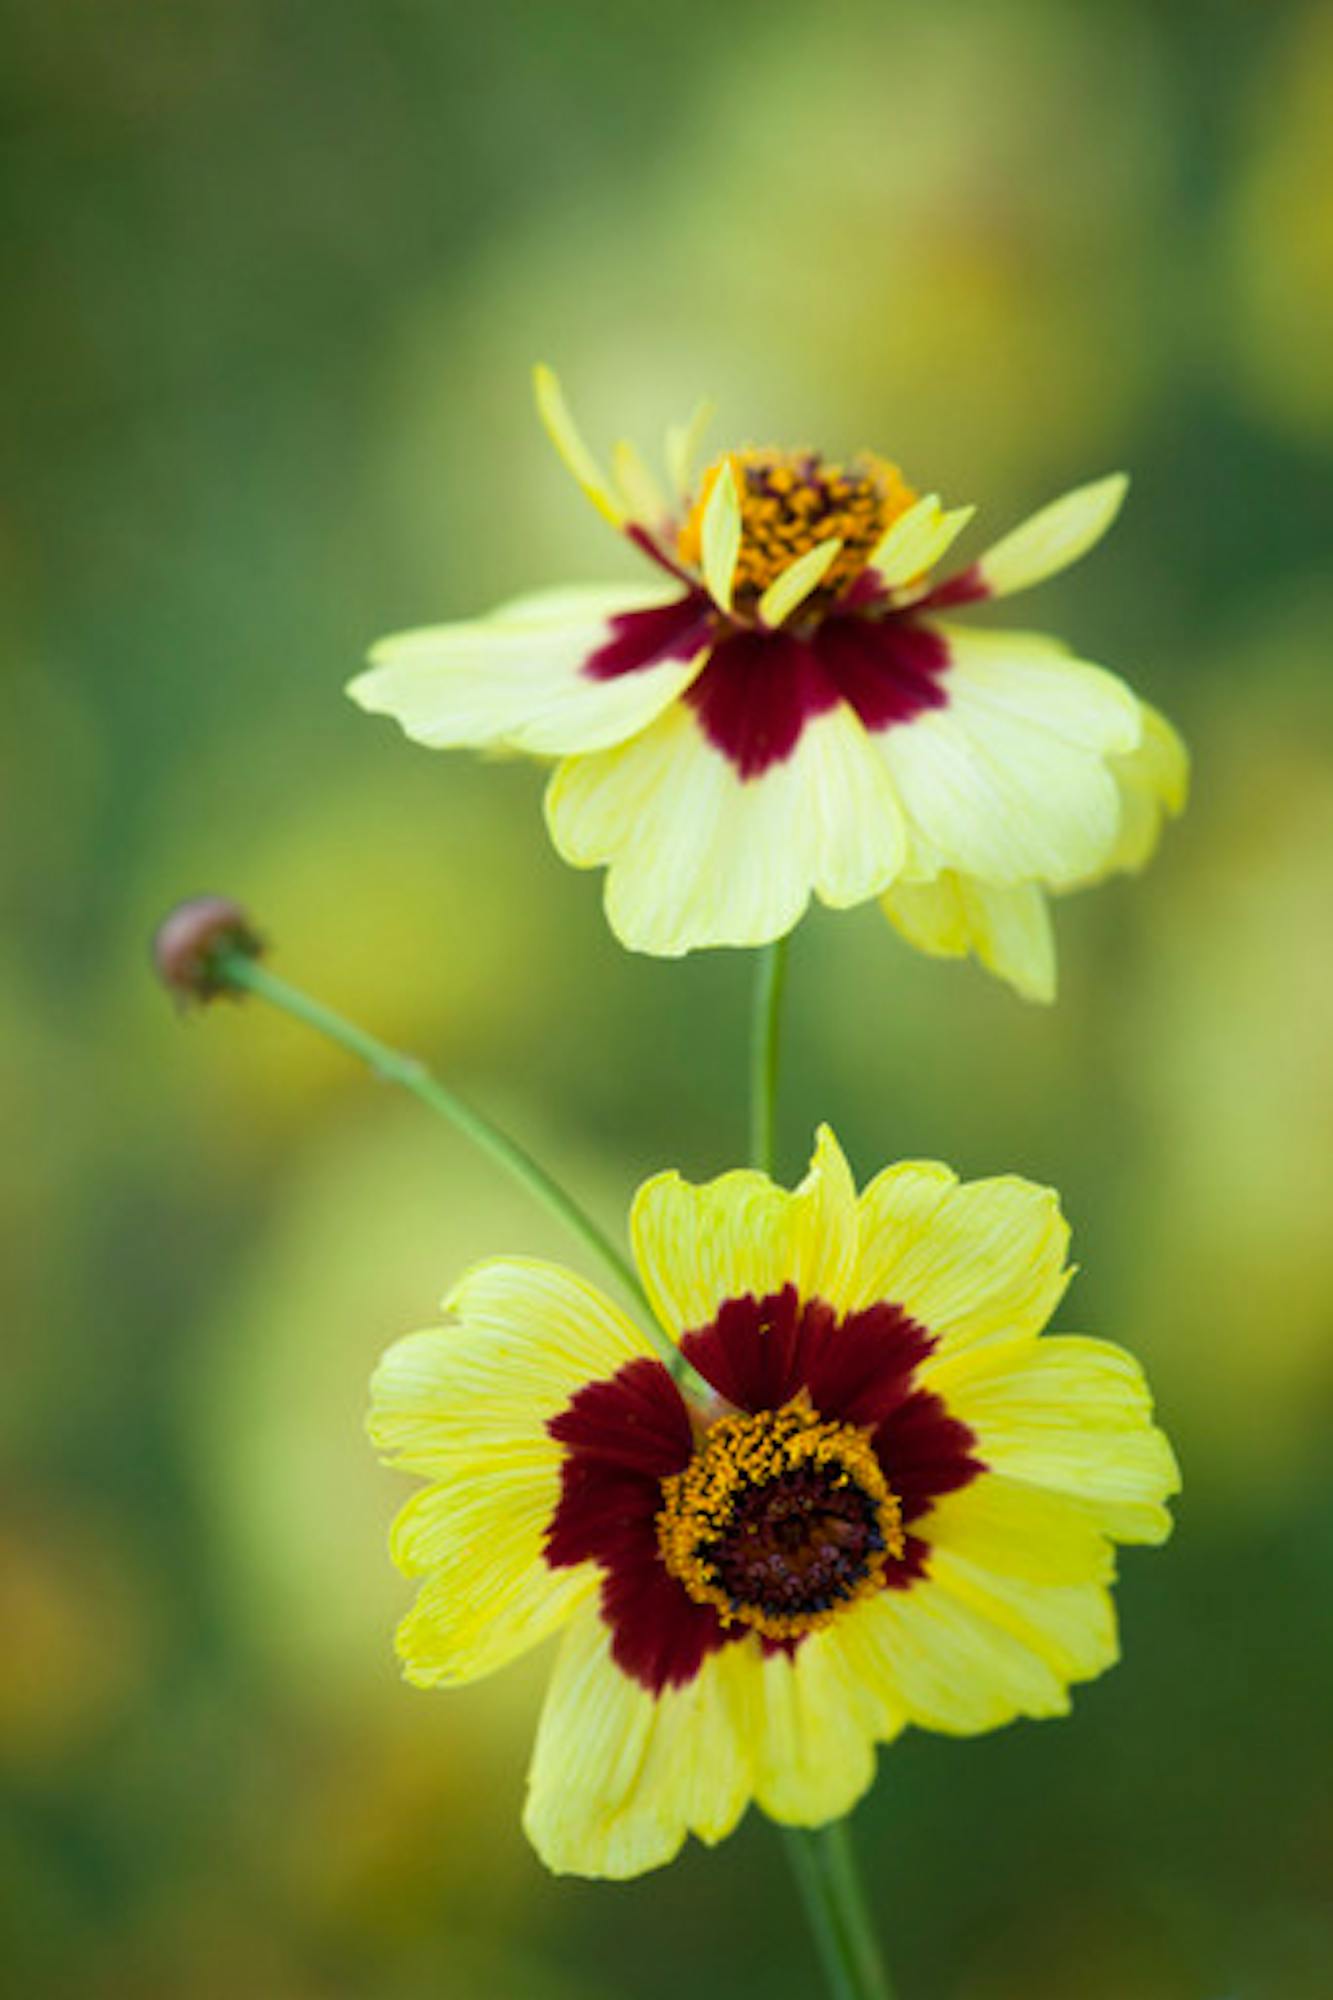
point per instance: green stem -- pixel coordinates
(247, 975)
(765, 1041)
(822, 1858)
(824, 1865)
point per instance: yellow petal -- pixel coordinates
(951, 1667)
(563, 433)
(721, 537)
(916, 541)
(975, 1263)
(795, 583)
(1003, 1525)
(1009, 930)
(467, 1405)
(893, 1213)
(1054, 537)
(489, 1595)
(698, 1245)
(1067, 1627)
(1074, 1416)
(811, 1724)
(538, 1332)
(619, 1777)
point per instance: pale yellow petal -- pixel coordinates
(1008, 929)
(916, 541)
(1074, 1416)
(1054, 537)
(682, 446)
(564, 435)
(620, 1777)
(992, 794)
(699, 856)
(855, 837)
(721, 536)
(974, 1263)
(1031, 678)
(789, 590)
(1074, 729)
(697, 1245)
(643, 498)
(518, 681)
(1154, 785)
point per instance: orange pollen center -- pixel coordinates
(780, 1520)
(792, 500)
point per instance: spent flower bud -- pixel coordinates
(191, 942)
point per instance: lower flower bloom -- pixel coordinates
(879, 1496)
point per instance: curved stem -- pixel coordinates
(822, 1858)
(246, 975)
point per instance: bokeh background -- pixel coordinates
(279, 269)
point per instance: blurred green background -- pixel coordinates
(279, 271)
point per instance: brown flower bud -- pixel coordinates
(190, 941)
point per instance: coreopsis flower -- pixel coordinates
(786, 710)
(878, 1495)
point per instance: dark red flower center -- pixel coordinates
(779, 1520)
(777, 1515)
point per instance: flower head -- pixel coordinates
(787, 711)
(882, 1497)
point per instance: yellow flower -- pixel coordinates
(785, 711)
(882, 1498)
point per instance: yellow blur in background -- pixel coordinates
(281, 270)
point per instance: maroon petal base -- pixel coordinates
(623, 1437)
(760, 689)
(967, 586)
(642, 639)
(759, 1353)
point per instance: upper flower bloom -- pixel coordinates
(881, 1498)
(786, 712)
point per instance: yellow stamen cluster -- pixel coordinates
(834, 1527)
(792, 500)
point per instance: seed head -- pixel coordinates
(191, 940)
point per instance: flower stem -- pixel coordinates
(765, 1040)
(822, 1858)
(824, 1864)
(244, 974)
